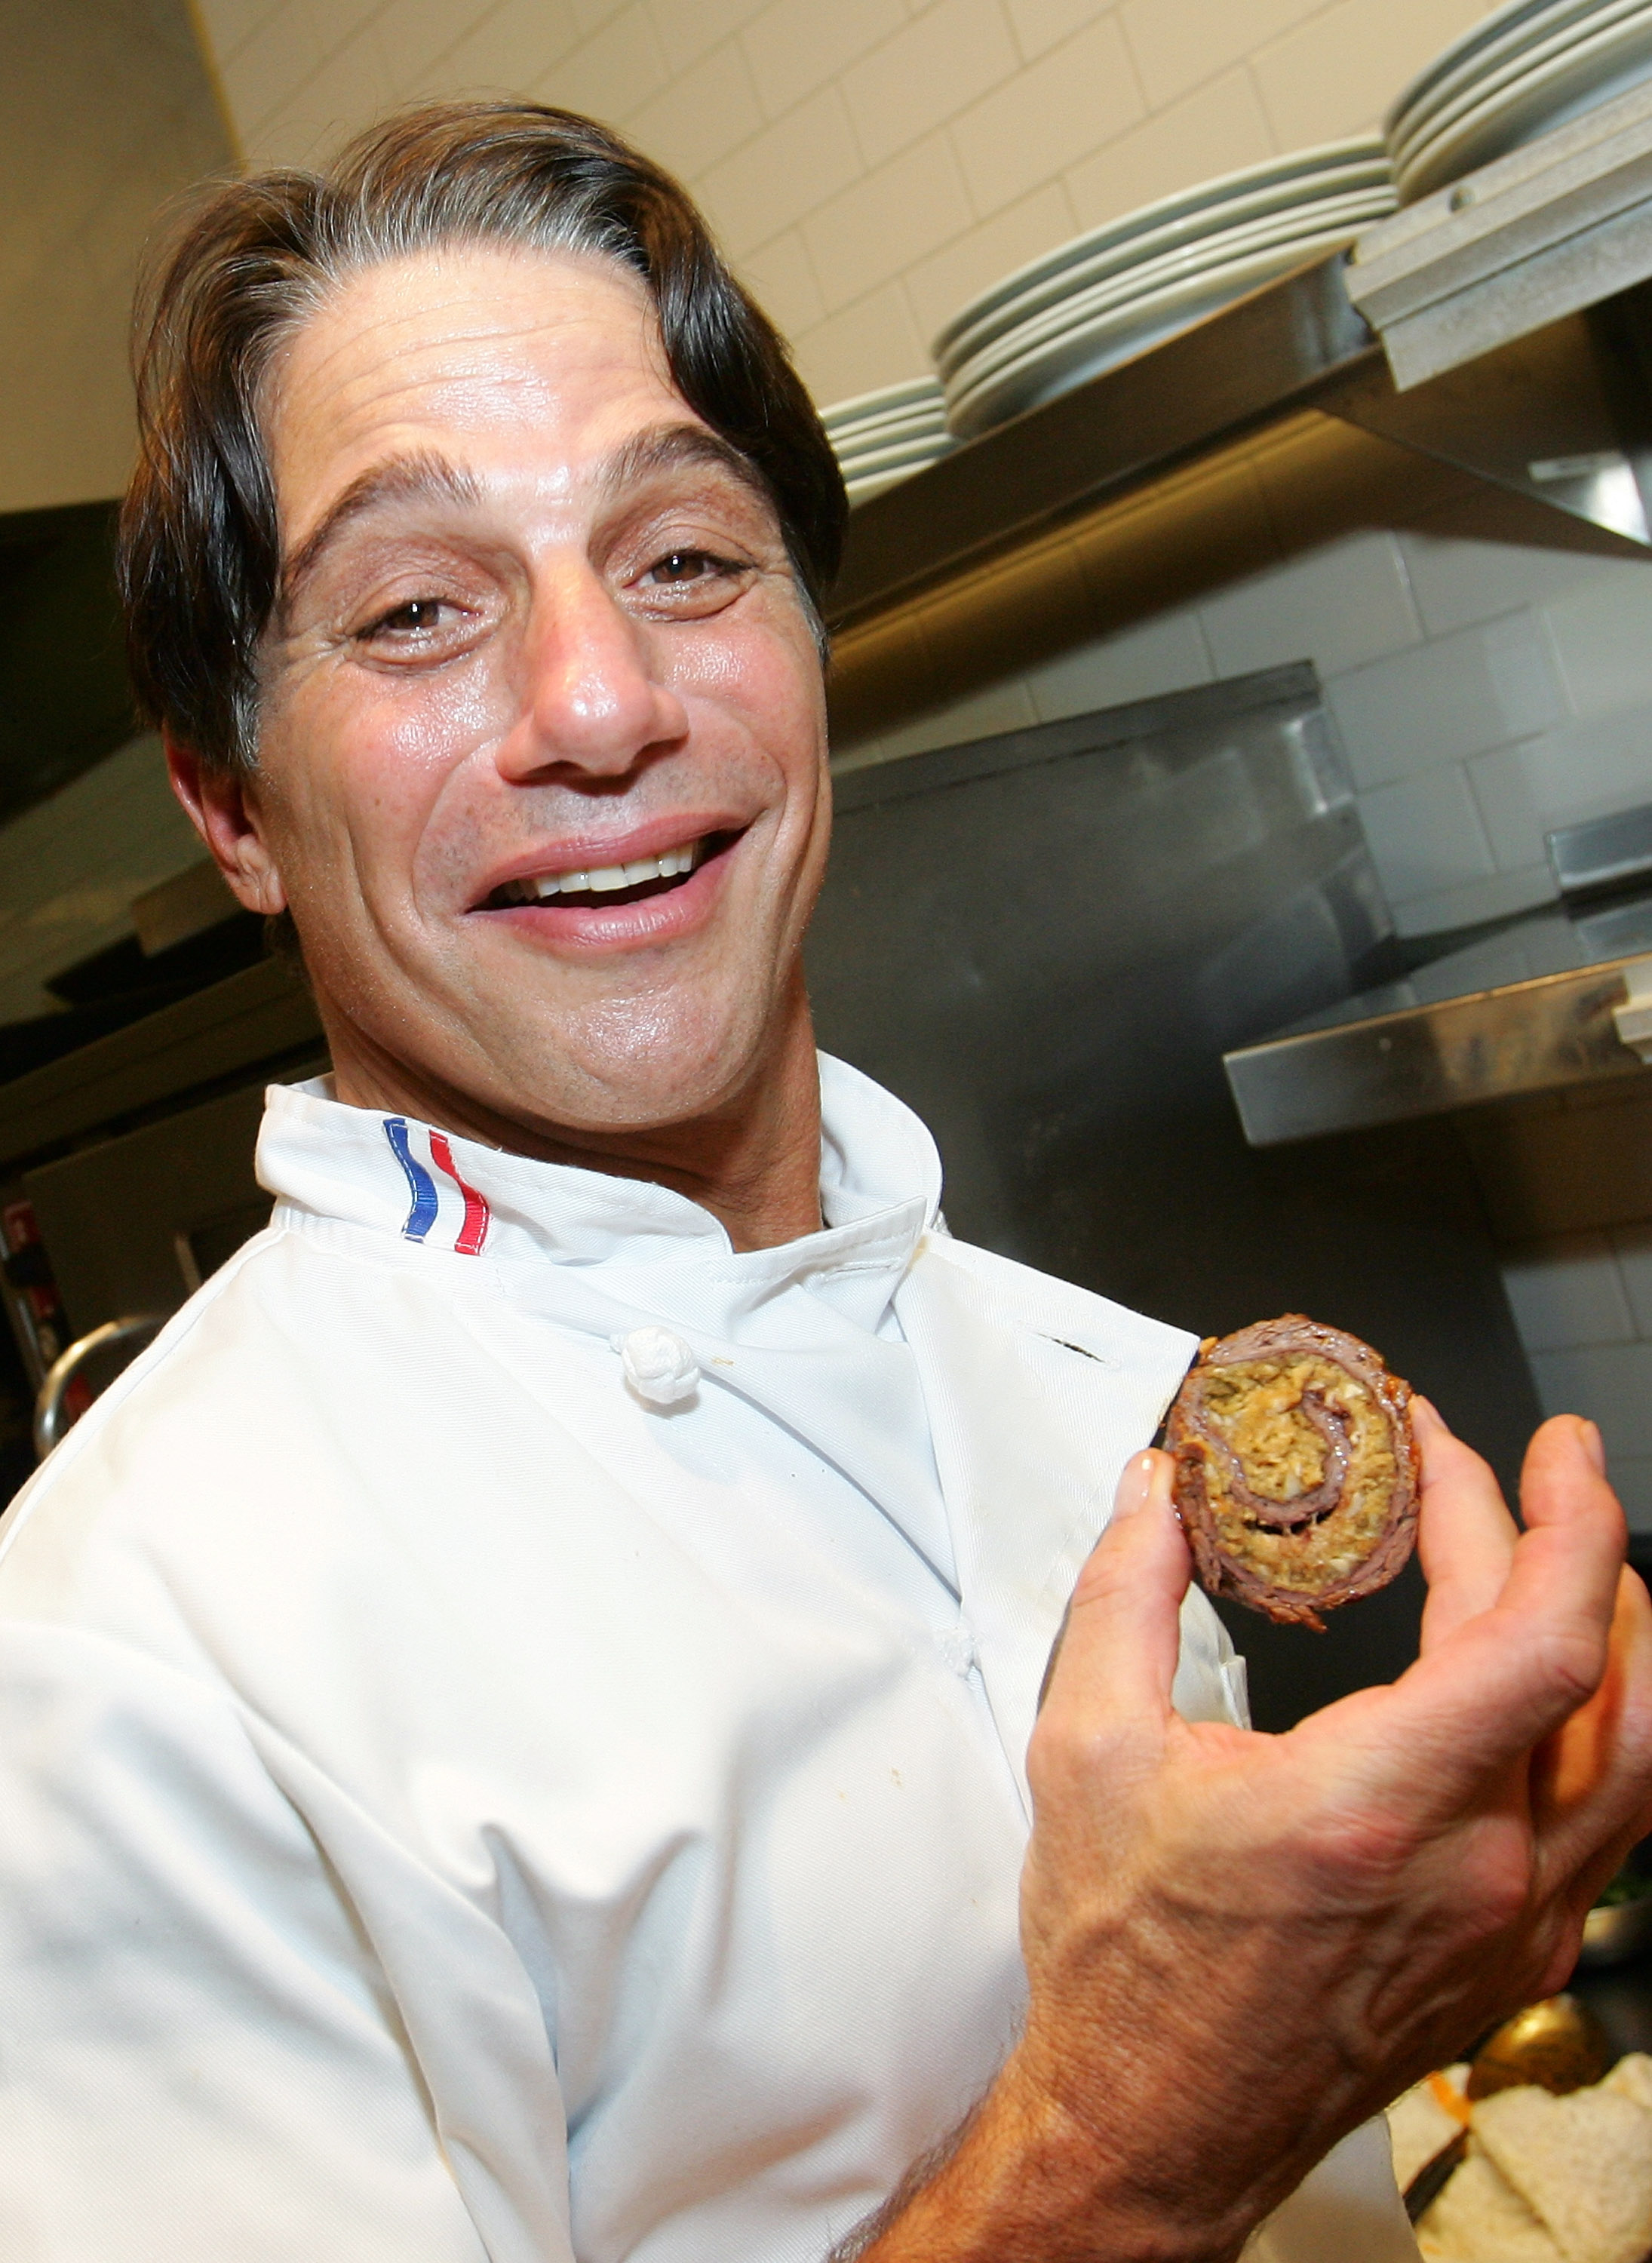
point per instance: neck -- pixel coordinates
(753, 1161)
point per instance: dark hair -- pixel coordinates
(198, 550)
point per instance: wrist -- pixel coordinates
(1033, 2179)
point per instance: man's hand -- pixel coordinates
(1239, 1947)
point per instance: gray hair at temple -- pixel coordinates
(198, 550)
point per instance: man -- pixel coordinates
(514, 1714)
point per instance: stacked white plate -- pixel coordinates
(1108, 295)
(1528, 66)
(882, 437)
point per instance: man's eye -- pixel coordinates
(417, 618)
(679, 567)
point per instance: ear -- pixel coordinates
(224, 811)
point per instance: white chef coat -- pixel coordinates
(452, 1808)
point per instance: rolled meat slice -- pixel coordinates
(1296, 1469)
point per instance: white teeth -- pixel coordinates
(602, 881)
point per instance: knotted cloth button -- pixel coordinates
(659, 1367)
(957, 1647)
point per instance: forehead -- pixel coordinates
(530, 365)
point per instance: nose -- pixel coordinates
(592, 700)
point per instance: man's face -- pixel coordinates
(542, 759)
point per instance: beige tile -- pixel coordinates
(413, 34)
(947, 57)
(1467, 568)
(1338, 72)
(1340, 607)
(286, 51)
(1500, 895)
(352, 88)
(984, 715)
(1194, 532)
(788, 170)
(1177, 43)
(1039, 24)
(794, 45)
(613, 73)
(872, 343)
(703, 115)
(1216, 129)
(1007, 619)
(687, 32)
(881, 225)
(948, 280)
(781, 277)
(1167, 654)
(225, 25)
(880, 676)
(1425, 834)
(1601, 630)
(1056, 111)
(512, 48)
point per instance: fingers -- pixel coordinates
(1118, 1651)
(1591, 1783)
(1503, 1678)
(1466, 1536)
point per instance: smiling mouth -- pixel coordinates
(608, 886)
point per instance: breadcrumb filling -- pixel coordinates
(1256, 1408)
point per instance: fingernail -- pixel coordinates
(1135, 1486)
(1593, 1445)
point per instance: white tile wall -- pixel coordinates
(1061, 112)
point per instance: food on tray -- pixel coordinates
(1547, 2179)
(1296, 1471)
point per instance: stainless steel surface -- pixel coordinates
(1529, 1009)
(1536, 235)
(1524, 417)
(1606, 852)
(50, 1407)
(1558, 2044)
(1044, 943)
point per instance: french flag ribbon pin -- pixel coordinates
(427, 1202)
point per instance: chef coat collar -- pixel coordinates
(879, 1191)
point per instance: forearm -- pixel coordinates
(1024, 2179)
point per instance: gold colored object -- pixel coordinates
(1558, 2044)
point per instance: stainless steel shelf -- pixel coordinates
(1564, 413)
(1529, 1009)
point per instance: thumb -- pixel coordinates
(1116, 1659)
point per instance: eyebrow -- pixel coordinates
(424, 476)
(418, 476)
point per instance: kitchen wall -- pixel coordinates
(869, 164)
(106, 110)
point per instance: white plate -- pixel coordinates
(1576, 80)
(1517, 25)
(1341, 217)
(1497, 41)
(859, 490)
(1255, 190)
(931, 418)
(879, 460)
(1411, 133)
(1119, 334)
(911, 392)
(1185, 234)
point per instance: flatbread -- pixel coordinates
(1582, 2163)
(1419, 2127)
(1479, 2218)
(1633, 2078)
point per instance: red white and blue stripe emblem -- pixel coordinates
(426, 1206)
